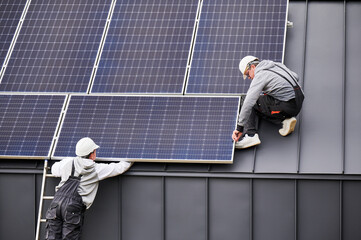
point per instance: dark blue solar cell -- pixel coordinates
(168, 129)
(229, 30)
(28, 124)
(10, 13)
(57, 46)
(147, 47)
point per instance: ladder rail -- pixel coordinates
(41, 199)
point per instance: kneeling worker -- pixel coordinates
(274, 94)
(77, 189)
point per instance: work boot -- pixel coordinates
(288, 127)
(248, 141)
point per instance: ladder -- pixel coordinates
(42, 198)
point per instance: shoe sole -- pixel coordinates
(291, 128)
(248, 146)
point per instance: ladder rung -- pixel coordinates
(48, 197)
(42, 220)
(50, 175)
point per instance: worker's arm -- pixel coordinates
(253, 93)
(105, 170)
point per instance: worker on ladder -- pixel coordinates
(77, 189)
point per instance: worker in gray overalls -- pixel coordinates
(77, 189)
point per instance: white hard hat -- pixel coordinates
(244, 63)
(85, 146)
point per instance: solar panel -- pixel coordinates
(147, 47)
(10, 13)
(150, 128)
(229, 30)
(57, 46)
(28, 124)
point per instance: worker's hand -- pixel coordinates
(236, 135)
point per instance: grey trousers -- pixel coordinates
(270, 109)
(65, 220)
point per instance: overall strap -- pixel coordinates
(297, 86)
(72, 170)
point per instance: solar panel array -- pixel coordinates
(151, 49)
(173, 129)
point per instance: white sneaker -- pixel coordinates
(248, 141)
(288, 127)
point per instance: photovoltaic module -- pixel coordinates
(57, 46)
(228, 31)
(151, 128)
(147, 47)
(28, 124)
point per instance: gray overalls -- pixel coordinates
(65, 215)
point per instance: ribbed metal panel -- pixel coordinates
(352, 88)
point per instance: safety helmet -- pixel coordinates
(243, 64)
(85, 146)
